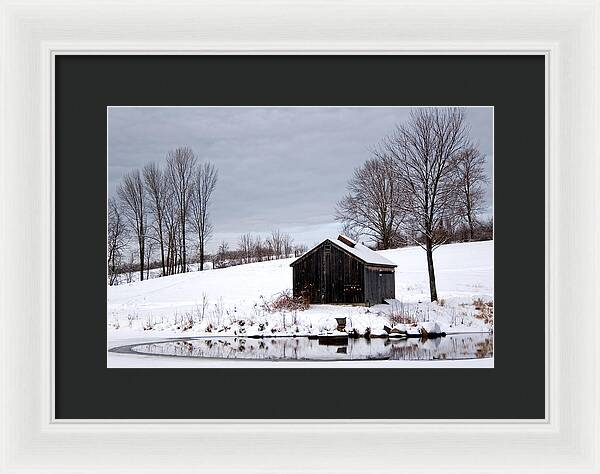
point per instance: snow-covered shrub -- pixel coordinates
(187, 322)
(217, 313)
(326, 324)
(148, 324)
(130, 319)
(201, 308)
(257, 312)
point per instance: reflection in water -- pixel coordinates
(459, 346)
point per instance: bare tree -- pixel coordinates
(373, 203)
(425, 152)
(204, 183)
(275, 244)
(156, 188)
(180, 169)
(129, 268)
(470, 175)
(245, 246)
(221, 255)
(149, 250)
(287, 245)
(300, 249)
(349, 231)
(486, 230)
(171, 221)
(132, 195)
(258, 249)
(116, 240)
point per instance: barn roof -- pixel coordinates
(358, 250)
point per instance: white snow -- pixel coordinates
(363, 252)
(229, 301)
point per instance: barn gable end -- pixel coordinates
(329, 275)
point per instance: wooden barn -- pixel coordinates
(343, 271)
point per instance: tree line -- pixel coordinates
(251, 248)
(423, 185)
(161, 209)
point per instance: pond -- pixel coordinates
(452, 347)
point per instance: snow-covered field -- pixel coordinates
(231, 301)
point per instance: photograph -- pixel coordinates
(300, 236)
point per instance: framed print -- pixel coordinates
(248, 238)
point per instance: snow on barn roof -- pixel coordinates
(360, 251)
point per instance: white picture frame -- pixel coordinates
(566, 33)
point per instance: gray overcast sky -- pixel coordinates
(279, 167)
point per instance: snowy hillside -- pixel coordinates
(461, 270)
(231, 300)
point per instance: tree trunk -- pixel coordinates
(385, 240)
(168, 258)
(183, 260)
(141, 261)
(201, 256)
(162, 246)
(470, 227)
(112, 270)
(162, 256)
(429, 251)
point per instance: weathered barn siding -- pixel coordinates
(380, 284)
(329, 275)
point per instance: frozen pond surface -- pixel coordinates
(452, 347)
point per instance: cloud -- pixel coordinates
(279, 167)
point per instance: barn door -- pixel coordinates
(326, 274)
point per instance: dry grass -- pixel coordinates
(285, 301)
(401, 314)
(485, 310)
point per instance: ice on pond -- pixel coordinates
(452, 347)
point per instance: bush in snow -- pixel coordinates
(217, 313)
(130, 319)
(400, 313)
(326, 324)
(285, 301)
(485, 311)
(148, 324)
(201, 309)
